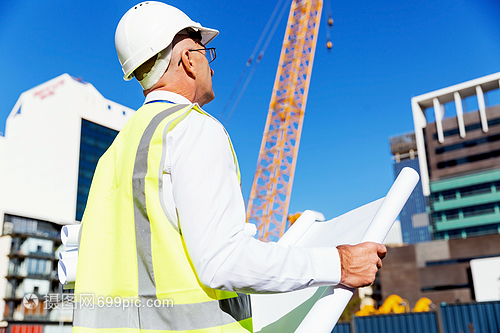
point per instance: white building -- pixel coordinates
(53, 138)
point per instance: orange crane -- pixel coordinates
(270, 194)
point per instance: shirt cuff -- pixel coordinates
(327, 266)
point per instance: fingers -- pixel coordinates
(360, 263)
(379, 248)
(381, 251)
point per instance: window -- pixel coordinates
(94, 141)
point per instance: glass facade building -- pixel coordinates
(413, 217)
(95, 140)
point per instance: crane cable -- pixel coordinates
(250, 61)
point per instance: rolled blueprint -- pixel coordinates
(69, 235)
(67, 270)
(325, 313)
(267, 308)
(71, 253)
(299, 228)
(392, 206)
(283, 312)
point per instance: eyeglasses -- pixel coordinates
(209, 53)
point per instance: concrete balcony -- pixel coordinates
(467, 222)
(459, 202)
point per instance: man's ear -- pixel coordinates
(188, 62)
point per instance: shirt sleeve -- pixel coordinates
(211, 217)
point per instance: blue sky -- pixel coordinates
(384, 53)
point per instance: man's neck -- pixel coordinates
(166, 96)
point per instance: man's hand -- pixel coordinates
(360, 263)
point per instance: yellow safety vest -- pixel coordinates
(134, 272)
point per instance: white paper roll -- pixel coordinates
(392, 206)
(67, 270)
(325, 313)
(69, 235)
(69, 253)
(284, 312)
(299, 228)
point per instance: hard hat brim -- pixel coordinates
(207, 35)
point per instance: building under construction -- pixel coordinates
(457, 131)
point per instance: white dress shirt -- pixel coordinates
(202, 196)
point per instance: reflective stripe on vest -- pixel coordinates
(165, 317)
(195, 307)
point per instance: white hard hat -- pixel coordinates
(147, 29)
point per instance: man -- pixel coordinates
(165, 219)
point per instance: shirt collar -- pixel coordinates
(166, 96)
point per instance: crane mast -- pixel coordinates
(270, 194)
